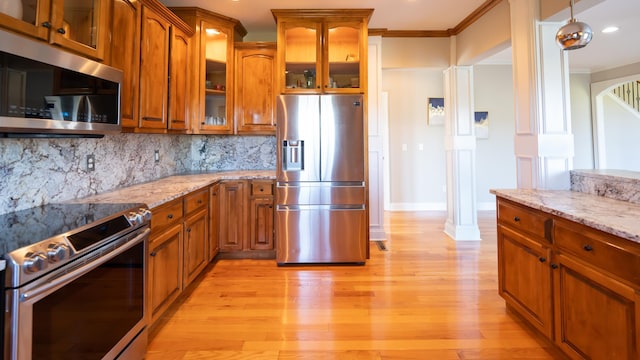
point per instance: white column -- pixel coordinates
(543, 139)
(460, 147)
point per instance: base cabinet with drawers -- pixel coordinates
(246, 218)
(580, 287)
(178, 248)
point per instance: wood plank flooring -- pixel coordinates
(426, 297)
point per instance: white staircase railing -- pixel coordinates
(629, 93)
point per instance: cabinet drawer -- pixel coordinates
(523, 219)
(261, 188)
(166, 214)
(608, 252)
(196, 200)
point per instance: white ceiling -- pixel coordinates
(604, 52)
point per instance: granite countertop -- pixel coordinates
(620, 218)
(158, 192)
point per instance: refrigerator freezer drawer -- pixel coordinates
(320, 235)
(320, 194)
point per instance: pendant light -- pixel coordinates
(574, 34)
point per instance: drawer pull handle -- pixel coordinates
(554, 266)
(587, 248)
(170, 216)
(542, 259)
(516, 219)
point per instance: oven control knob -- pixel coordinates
(146, 214)
(135, 218)
(57, 252)
(34, 261)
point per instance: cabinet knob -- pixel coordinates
(170, 216)
(516, 219)
(199, 201)
(587, 247)
(153, 253)
(542, 259)
(554, 266)
(61, 31)
(189, 230)
(46, 24)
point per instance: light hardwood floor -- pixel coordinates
(426, 297)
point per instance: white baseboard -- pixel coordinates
(483, 206)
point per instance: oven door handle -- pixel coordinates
(57, 282)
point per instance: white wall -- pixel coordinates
(581, 123)
(621, 129)
(495, 159)
(417, 177)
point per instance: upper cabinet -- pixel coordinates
(212, 69)
(78, 25)
(254, 88)
(155, 66)
(322, 51)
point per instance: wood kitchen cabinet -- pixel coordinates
(578, 286)
(124, 54)
(196, 234)
(164, 50)
(597, 294)
(165, 260)
(78, 26)
(214, 215)
(212, 68)
(322, 51)
(233, 215)
(255, 88)
(246, 218)
(262, 215)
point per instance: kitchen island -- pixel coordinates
(569, 265)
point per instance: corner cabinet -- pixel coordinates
(78, 26)
(322, 51)
(254, 88)
(212, 69)
(578, 286)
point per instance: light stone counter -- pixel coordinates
(158, 192)
(620, 218)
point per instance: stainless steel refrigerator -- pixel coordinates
(321, 197)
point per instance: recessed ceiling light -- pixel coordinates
(610, 29)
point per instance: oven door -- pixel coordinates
(93, 309)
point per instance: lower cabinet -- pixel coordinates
(214, 215)
(178, 249)
(578, 286)
(525, 278)
(246, 218)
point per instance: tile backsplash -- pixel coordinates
(39, 171)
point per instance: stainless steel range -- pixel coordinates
(75, 281)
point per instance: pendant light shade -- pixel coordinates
(574, 34)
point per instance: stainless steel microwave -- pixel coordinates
(46, 91)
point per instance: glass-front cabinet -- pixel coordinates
(322, 51)
(213, 68)
(216, 106)
(78, 25)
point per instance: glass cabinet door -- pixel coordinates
(343, 56)
(215, 52)
(31, 17)
(302, 64)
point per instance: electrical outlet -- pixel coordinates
(156, 156)
(91, 162)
